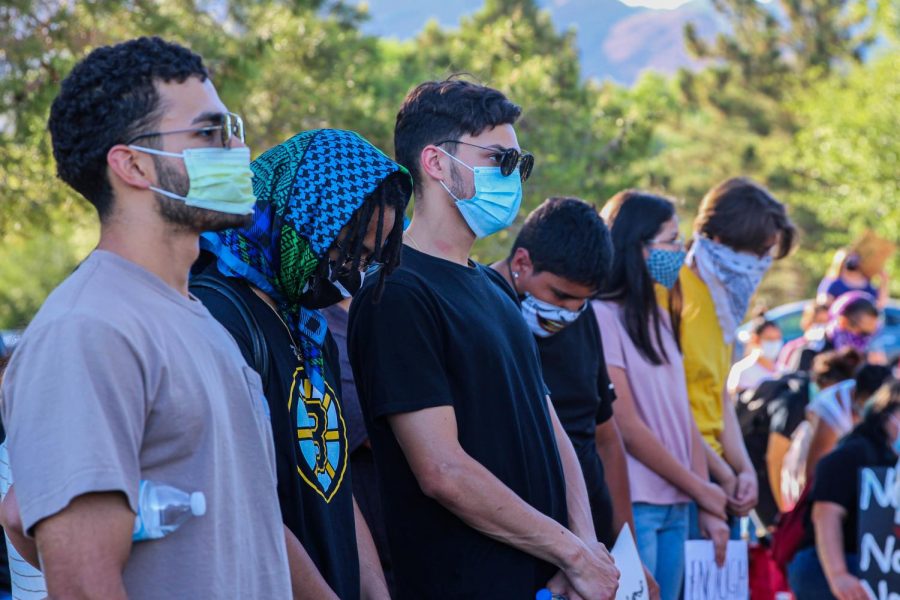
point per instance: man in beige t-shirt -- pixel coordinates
(123, 376)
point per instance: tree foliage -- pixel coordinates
(764, 106)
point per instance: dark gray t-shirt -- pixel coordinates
(120, 378)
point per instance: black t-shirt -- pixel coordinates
(787, 409)
(314, 488)
(582, 394)
(445, 335)
(837, 481)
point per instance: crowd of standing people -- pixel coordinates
(368, 412)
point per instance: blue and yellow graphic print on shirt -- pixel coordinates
(321, 434)
(307, 189)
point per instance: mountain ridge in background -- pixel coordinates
(616, 41)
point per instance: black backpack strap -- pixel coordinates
(260, 350)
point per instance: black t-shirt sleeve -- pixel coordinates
(396, 350)
(786, 412)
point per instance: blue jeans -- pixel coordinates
(807, 579)
(660, 531)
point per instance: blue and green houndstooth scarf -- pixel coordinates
(307, 189)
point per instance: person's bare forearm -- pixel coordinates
(719, 470)
(776, 448)
(11, 520)
(577, 502)
(699, 463)
(733, 449)
(84, 547)
(306, 581)
(475, 495)
(643, 445)
(827, 519)
(371, 576)
(615, 469)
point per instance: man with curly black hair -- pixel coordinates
(123, 377)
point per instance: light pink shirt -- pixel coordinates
(660, 397)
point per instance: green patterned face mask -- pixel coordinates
(221, 179)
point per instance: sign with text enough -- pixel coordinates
(705, 580)
(879, 529)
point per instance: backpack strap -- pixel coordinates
(258, 347)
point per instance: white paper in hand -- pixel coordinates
(632, 583)
(705, 580)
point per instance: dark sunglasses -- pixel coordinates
(508, 159)
(231, 126)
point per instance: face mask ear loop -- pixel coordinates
(444, 185)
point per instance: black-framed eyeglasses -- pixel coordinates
(232, 126)
(365, 262)
(508, 159)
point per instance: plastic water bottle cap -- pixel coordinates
(198, 504)
(544, 594)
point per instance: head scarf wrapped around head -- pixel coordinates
(307, 189)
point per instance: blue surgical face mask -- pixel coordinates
(496, 201)
(220, 178)
(664, 265)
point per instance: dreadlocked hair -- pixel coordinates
(391, 194)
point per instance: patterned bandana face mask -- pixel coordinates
(664, 266)
(545, 319)
(307, 190)
(841, 338)
(731, 278)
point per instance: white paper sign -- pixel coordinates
(704, 580)
(632, 583)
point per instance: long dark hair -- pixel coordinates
(392, 194)
(634, 218)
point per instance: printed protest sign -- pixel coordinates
(632, 583)
(705, 580)
(879, 527)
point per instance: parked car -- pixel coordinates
(787, 316)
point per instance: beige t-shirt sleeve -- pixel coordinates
(74, 404)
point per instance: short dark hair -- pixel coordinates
(761, 323)
(745, 217)
(854, 307)
(445, 110)
(878, 409)
(567, 237)
(868, 379)
(108, 98)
